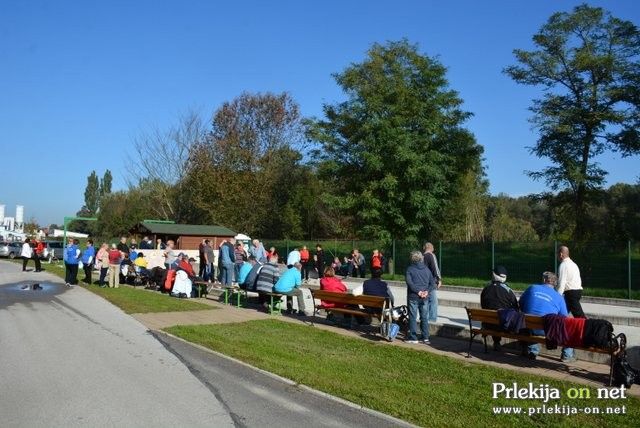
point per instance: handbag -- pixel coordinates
(389, 330)
(396, 313)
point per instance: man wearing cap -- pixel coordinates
(497, 295)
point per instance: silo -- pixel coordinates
(19, 218)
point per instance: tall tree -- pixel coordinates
(92, 194)
(238, 175)
(587, 64)
(395, 150)
(105, 184)
(161, 163)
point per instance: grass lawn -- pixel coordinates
(417, 386)
(134, 301)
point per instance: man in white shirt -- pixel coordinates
(569, 283)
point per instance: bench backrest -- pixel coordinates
(489, 316)
(350, 299)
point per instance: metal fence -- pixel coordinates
(603, 265)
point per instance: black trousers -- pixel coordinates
(25, 260)
(71, 274)
(36, 259)
(88, 270)
(572, 299)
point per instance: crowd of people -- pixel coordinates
(253, 268)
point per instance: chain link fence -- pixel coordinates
(608, 266)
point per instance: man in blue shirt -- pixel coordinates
(543, 299)
(289, 284)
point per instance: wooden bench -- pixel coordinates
(532, 322)
(351, 303)
(227, 289)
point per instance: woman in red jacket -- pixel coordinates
(330, 282)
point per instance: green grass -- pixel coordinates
(139, 301)
(417, 386)
(131, 300)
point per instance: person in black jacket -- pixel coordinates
(498, 295)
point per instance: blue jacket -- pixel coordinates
(418, 278)
(541, 300)
(288, 281)
(89, 252)
(71, 254)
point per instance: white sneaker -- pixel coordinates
(411, 341)
(426, 342)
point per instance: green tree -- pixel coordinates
(105, 185)
(587, 64)
(242, 175)
(92, 194)
(395, 151)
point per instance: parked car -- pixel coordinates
(10, 249)
(51, 249)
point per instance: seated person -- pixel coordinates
(244, 271)
(543, 299)
(126, 269)
(141, 264)
(250, 280)
(186, 264)
(497, 295)
(332, 283)
(268, 276)
(289, 285)
(182, 285)
(375, 286)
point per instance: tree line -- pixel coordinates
(395, 160)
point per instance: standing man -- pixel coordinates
(203, 260)
(570, 283)
(420, 284)
(169, 255)
(357, 264)
(257, 250)
(123, 247)
(209, 258)
(432, 263)
(227, 255)
(293, 258)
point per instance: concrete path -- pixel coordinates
(70, 359)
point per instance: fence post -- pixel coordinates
(493, 254)
(629, 264)
(393, 252)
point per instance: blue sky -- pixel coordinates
(80, 80)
